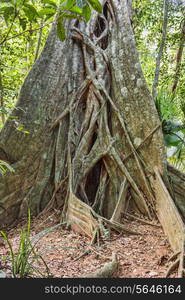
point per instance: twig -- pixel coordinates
(83, 254)
(103, 256)
(25, 31)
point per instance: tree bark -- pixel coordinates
(94, 133)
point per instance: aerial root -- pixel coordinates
(120, 227)
(178, 263)
(172, 267)
(84, 219)
(141, 220)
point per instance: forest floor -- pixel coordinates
(142, 256)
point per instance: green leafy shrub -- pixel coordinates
(173, 127)
(22, 260)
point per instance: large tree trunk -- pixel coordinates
(95, 136)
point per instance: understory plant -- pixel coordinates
(173, 128)
(23, 260)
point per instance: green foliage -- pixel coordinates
(61, 29)
(24, 26)
(22, 261)
(96, 5)
(87, 12)
(147, 23)
(28, 11)
(167, 106)
(178, 158)
(173, 129)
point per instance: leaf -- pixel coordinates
(69, 4)
(31, 7)
(47, 17)
(23, 23)
(171, 140)
(86, 11)
(30, 12)
(4, 8)
(47, 11)
(8, 12)
(51, 3)
(76, 10)
(61, 30)
(19, 3)
(70, 16)
(25, 131)
(96, 5)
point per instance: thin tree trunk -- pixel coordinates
(179, 59)
(1, 99)
(161, 48)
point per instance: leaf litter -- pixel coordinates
(69, 254)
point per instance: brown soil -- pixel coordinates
(142, 256)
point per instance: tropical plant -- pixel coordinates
(22, 260)
(173, 128)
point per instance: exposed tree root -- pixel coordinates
(177, 180)
(141, 220)
(82, 218)
(168, 214)
(106, 271)
(174, 256)
(116, 216)
(172, 267)
(179, 263)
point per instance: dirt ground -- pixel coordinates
(139, 256)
